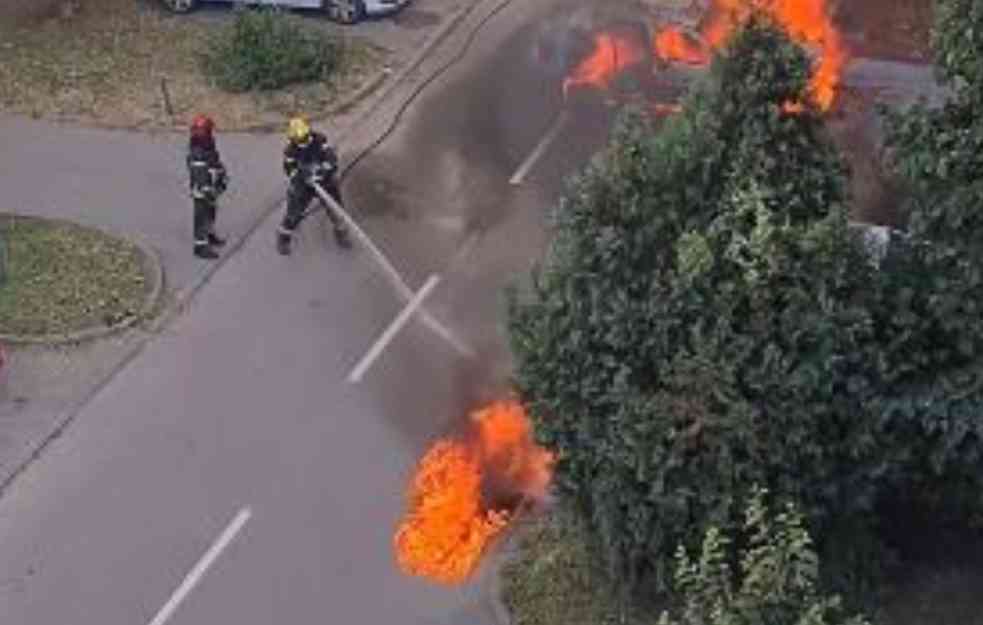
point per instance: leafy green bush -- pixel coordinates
(706, 319)
(268, 49)
(776, 583)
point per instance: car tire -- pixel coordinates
(180, 6)
(347, 11)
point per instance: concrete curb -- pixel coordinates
(34, 450)
(495, 596)
(153, 269)
(507, 550)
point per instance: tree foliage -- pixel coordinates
(957, 41)
(775, 584)
(706, 320)
(939, 152)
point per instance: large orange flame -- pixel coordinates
(807, 21)
(450, 523)
(611, 55)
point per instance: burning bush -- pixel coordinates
(706, 320)
(466, 491)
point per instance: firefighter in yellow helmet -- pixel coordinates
(308, 159)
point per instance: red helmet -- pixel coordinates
(202, 126)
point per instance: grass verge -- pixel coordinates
(104, 64)
(554, 579)
(63, 278)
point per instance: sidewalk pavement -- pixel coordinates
(135, 184)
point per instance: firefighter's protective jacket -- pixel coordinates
(208, 178)
(315, 152)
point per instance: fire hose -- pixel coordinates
(398, 283)
(413, 300)
(440, 71)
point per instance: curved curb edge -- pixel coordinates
(153, 269)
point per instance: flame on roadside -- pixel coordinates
(465, 491)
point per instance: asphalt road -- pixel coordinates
(232, 454)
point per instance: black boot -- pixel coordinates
(283, 244)
(341, 236)
(203, 250)
(215, 240)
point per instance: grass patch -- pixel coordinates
(105, 63)
(63, 278)
(554, 579)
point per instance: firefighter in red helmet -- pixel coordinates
(208, 180)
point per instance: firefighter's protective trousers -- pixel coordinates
(299, 196)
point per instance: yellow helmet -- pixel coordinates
(298, 130)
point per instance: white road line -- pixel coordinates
(404, 290)
(386, 337)
(195, 575)
(540, 149)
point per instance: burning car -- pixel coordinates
(649, 56)
(344, 11)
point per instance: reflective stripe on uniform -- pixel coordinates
(283, 230)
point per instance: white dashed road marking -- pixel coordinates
(195, 575)
(540, 149)
(387, 336)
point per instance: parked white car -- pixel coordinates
(344, 11)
